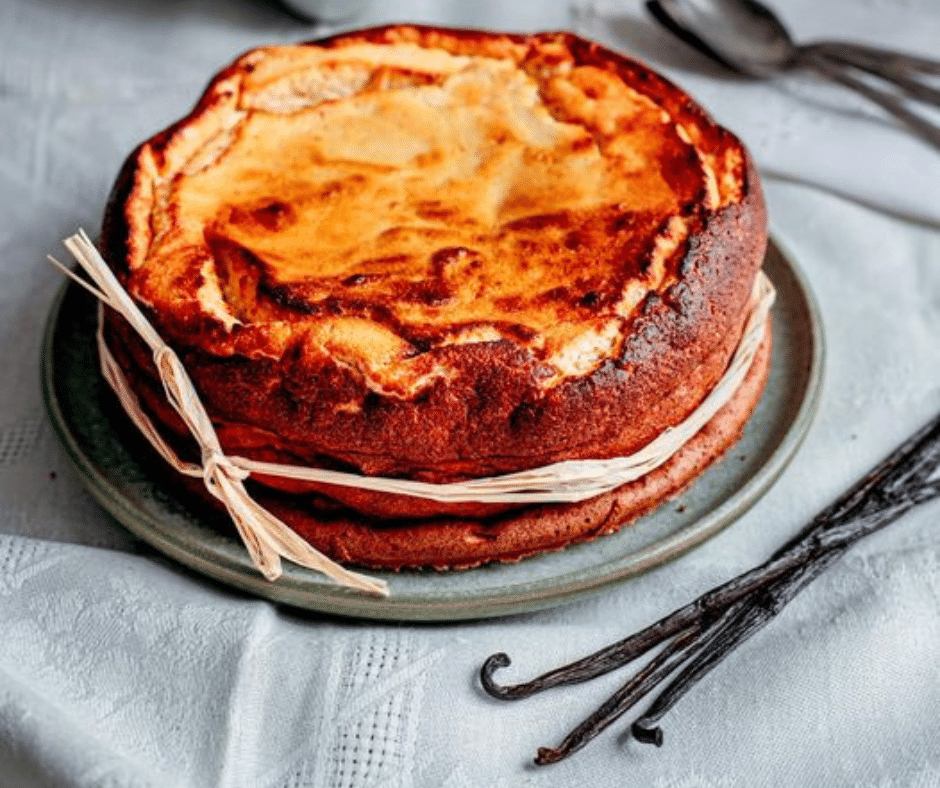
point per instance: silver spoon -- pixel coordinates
(749, 38)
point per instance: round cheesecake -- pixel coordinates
(441, 255)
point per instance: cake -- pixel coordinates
(432, 254)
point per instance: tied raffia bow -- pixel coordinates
(268, 539)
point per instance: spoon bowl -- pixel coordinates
(748, 38)
(744, 35)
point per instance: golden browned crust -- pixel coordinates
(440, 254)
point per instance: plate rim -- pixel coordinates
(304, 589)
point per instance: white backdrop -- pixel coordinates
(119, 669)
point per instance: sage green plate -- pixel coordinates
(120, 472)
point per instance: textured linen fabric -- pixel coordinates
(118, 668)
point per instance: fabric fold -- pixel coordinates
(42, 745)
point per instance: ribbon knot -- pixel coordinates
(215, 462)
(265, 536)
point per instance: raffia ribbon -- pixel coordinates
(267, 538)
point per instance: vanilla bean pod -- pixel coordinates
(709, 645)
(745, 617)
(708, 629)
(757, 612)
(904, 465)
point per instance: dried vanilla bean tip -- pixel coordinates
(665, 662)
(743, 621)
(597, 664)
(621, 653)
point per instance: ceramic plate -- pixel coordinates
(118, 470)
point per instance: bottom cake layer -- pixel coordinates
(462, 543)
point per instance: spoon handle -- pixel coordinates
(894, 74)
(887, 101)
(895, 61)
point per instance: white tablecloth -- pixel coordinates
(118, 669)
